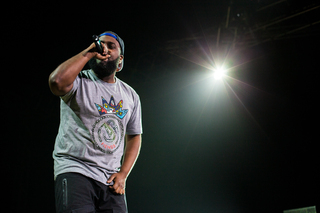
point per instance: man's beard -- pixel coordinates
(104, 68)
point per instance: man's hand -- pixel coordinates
(119, 185)
(91, 52)
(133, 144)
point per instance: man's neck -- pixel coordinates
(108, 79)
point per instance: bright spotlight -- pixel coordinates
(218, 73)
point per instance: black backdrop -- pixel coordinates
(205, 149)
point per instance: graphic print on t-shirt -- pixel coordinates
(107, 131)
(111, 107)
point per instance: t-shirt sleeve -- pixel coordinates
(134, 125)
(67, 97)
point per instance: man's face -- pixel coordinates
(109, 66)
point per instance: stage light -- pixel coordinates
(218, 73)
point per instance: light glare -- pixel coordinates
(218, 74)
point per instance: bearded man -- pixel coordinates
(99, 136)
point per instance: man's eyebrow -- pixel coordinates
(107, 42)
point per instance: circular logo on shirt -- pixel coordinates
(107, 133)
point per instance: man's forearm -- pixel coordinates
(132, 150)
(62, 78)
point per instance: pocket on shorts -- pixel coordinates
(64, 193)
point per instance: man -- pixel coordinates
(100, 120)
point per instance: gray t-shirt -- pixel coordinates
(94, 118)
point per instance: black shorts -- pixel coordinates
(80, 194)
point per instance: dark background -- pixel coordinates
(244, 144)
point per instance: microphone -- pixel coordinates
(98, 44)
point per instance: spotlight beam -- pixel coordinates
(219, 73)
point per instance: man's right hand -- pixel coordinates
(92, 52)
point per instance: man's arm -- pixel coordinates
(132, 150)
(62, 78)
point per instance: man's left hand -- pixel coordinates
(119, 185)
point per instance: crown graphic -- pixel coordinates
(111, 108)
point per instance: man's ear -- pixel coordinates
(120, 63)
(121, 58)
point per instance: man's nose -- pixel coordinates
(105, 49)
